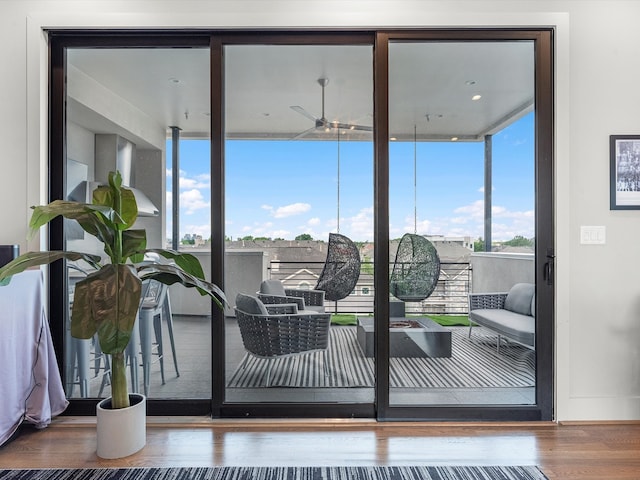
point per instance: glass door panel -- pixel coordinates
(122, 106)
(298, 203)
(461, 202)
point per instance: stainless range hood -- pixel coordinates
(113, 152)
(84, 193)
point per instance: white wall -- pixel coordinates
(244, 270)
(597, 67)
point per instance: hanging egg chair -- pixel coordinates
(416, 269)
(341, 269)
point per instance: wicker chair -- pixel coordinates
(341, 269)
(279, 330)
(416, 269)
(273, 292)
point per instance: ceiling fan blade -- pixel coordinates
(352, 126)
(302, 134)
(322, 122)
(302, 111)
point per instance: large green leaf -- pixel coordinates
(43, 214)
(83, 322)
(99, 226)
(170, 274)
(133, 244)
(120, 199)
(107, 302)
(33, 259)
(186, 261)
(128, 208)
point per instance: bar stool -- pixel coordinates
(154, 306)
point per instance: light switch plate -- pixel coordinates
(590, 235)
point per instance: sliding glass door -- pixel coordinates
(126, 109)
(468, 188)
(349, 191)
(298, 223)
(461, 125)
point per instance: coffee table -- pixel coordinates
(425, 338)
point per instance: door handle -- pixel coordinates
(548, 271)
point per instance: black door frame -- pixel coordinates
(216, 40)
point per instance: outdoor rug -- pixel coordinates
(281, 473)
(474, 363)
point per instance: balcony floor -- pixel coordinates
(192, 346)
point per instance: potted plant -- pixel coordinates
(106, 301)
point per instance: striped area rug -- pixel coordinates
(281, 473)
(474, 364)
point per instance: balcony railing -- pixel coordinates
(450, 296)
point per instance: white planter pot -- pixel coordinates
(121, 432)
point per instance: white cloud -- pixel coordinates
(474, 210)
(265, 230)
(192, 201)
(424, 227)
(198, 181)
(506, 223)
(280, 234)
(291, 210)
(203, 230)
(313, 221)
(358, 226)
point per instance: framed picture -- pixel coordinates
(625, 172)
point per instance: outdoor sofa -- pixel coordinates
(509, 314)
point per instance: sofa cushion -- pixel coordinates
(519, 298)
(272, 287)
(250, 305)
(533, 306)
(313, 308)
(516, 326)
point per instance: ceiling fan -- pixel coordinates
(322, 122)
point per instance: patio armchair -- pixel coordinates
(273, 292)
(280, 330)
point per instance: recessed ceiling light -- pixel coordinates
(454, 139)
(476, 97)
(470, 82)
(174, 80)
(393, 139)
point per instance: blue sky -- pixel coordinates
(286, 188)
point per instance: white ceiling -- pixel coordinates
(430, 87)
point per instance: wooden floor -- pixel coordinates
(573, 451)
